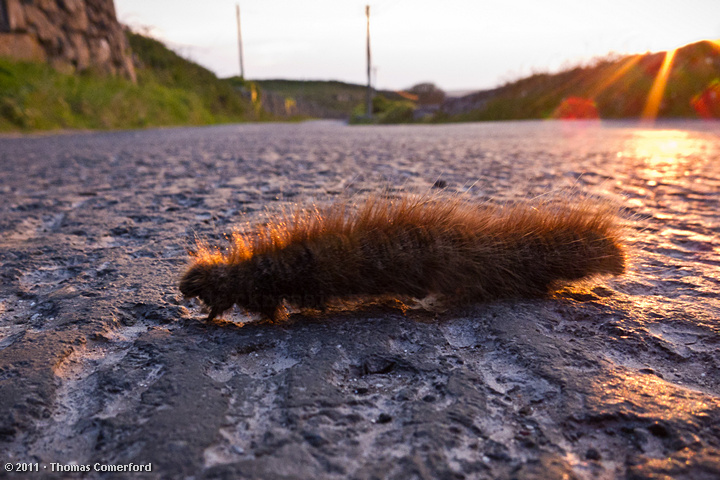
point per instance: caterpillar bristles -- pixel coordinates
(411, 246)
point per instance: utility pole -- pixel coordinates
(368, 98)
(240, 49)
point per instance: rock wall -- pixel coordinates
(72, 35)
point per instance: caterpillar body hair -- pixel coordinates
(411, 246)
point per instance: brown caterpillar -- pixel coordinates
(411, 246)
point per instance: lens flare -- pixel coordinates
(616, 75)
(652, 106)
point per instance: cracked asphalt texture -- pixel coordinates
(102, 361)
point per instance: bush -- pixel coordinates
(384, 112)
(397, 112)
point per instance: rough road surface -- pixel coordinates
(101, 362)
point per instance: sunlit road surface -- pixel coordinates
(100, 361)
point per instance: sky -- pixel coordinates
(456, 44)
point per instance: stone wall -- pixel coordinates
(72, 35)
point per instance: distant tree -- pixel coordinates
(428, 94)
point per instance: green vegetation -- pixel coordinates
(617, 87)
(611, 87)
(161, 66)
(416, 105)
(174, 91)
(335, 98)
(170, 91)
(330, 99)
(384, 112)
(36, 97)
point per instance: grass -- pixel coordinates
(170, 91)
(161, 66)
(174, 91)
(36, 97)
(619, 87)
(384, 112)
(337, 99)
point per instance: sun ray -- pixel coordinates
(619, 72)
(652, 106)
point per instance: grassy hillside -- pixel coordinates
(170, 91)
(331, 95)
(335, 99)
(614, 88)
(160, 66)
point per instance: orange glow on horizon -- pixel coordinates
(616, 75)
(652, 106)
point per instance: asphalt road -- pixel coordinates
(102, 364)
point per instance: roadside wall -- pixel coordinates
(71, 35)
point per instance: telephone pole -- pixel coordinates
(368, 98)
(240, 48)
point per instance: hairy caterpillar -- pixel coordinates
(411, 246)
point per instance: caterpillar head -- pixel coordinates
(193, 283)
(209, 283)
